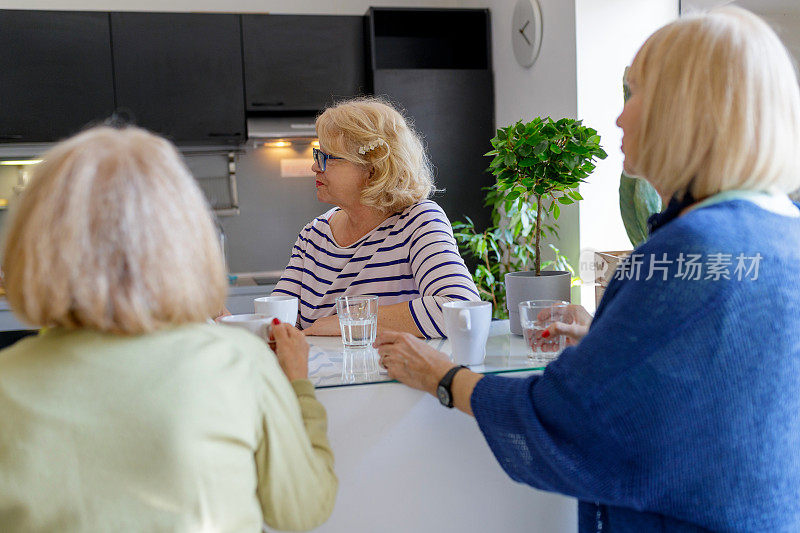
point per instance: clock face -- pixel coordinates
(526, 31)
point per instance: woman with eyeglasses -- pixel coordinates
(383, 237)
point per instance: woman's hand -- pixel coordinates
(575, 327)
(292, 350)
(411, 361)
(222, 313)
(324, 327)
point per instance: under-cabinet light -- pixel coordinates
(20, 162)
(278, 144)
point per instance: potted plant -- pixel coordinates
(539, 166)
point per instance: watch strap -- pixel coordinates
(447, 381)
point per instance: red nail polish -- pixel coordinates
(276, 321)
(545, 334)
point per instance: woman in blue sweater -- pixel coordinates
(679, 410)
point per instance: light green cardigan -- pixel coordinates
(190, 429)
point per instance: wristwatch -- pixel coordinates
(443, 391)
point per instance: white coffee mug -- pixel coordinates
(255, 323)
(282, 307)
(467, 327)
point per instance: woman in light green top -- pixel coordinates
(130, 412)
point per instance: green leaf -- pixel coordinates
(510, 199)
(481, 247)
(556, 211)
(510, 160)
(575, 195)
(540, 148)
(638, 200)
(528, 162)
(565, 200)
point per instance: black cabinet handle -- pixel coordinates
(10, 137)
(216, 134)
(266, 104)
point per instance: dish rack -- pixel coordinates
(215, 172)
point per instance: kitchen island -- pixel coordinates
(407, 464)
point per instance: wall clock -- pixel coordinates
(526, 31)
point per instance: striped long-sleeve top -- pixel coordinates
(410, 257)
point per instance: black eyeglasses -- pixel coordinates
(321, 158)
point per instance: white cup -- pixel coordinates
(467, 327)
(284, 308)
(255, 323)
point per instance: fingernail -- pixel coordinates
(545, 334)
(275, 321)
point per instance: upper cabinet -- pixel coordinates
(180, 74)
(194, 77)
(56, 73)
(436, 63)
(407, 38)
(302, 62)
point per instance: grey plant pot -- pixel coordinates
(523, 286)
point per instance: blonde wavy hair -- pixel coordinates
(720, 106)
(112, 234)
(371, 133)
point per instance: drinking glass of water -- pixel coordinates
(536, 316)
(358, 319)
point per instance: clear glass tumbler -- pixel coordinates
(358, 319)
(535, 317)
(360, 364)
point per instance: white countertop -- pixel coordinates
(504, 353)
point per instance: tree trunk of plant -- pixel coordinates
(537, 261)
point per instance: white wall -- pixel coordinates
(322, 7)
(608, 35)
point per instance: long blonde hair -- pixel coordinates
(113, 234)
(720, 106)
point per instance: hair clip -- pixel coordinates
(371, 146)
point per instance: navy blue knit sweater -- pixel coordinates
(680, 410)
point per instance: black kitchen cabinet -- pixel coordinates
(436, 64)
(302, 62)
(180, 74)
(454, 111)
(429, 38)
(56, 73)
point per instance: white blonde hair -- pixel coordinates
(113, 234)
(720, 106)
(371, 133)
